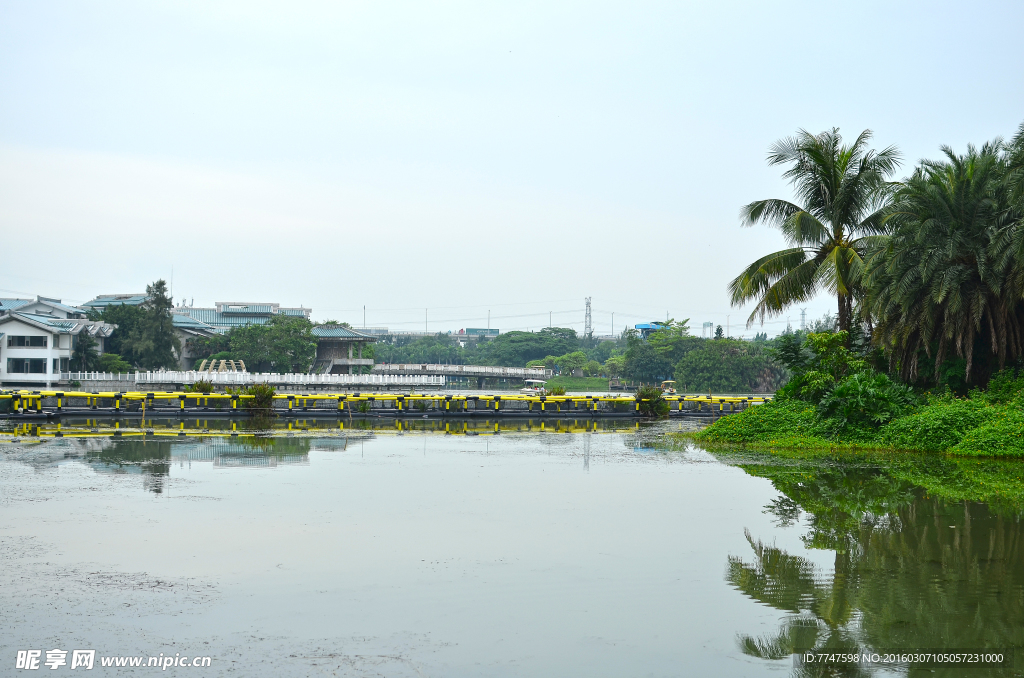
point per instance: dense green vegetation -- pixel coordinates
(836, 401)
(929, 277)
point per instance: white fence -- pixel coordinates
(98, 376)
(464, 370)
(241, 378)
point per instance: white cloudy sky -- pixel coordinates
(463, 157)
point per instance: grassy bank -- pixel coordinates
(984, 425)
(578, 383)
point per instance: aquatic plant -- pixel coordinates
(200, 386)
(261, 400)
(651, 402)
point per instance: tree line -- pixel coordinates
(697, 364)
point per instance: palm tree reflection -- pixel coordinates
(910, 571)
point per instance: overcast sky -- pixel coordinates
(463, 157)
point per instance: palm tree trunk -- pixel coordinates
(845, 311)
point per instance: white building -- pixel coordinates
(36, 347)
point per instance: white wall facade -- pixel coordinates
(35, 365)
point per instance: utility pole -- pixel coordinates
(726, 326)
(364, 316)
(587, 329)
(425, 320)
(613, 324)
(549, 319)
(803, 319)
(488, 319)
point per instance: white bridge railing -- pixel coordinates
(467, 370)
(98, 376)
(240, 378)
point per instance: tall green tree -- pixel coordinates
(129, 321)
(84, 357)
(943, 285)
(154, 343)
(841, 192)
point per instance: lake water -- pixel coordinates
(522, 553)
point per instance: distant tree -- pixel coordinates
(129, 321)
(163, 346)
(615, 365)
(111, 362)
(570, 362)
(592, 369)
(602, 351)
(729, 366)
(515, 349)
(207, 347)
(719, 333)
(642, 362)
(84, 357)
(283, 344)
(673, 340)
(147, 335)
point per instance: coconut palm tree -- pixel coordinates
(841, 192)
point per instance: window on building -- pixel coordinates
(22, 342)
(60, 365)
(26, 365)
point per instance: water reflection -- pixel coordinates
(66, 427)
(911, 569)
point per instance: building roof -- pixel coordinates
(105, 300)
(340, 332)
(211, 316)
(247, 309)
(228, 315)
(8, 305)
(61, 325)
(183, 321)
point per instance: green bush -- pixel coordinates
(936, 427)
(1001, 436)
(200, 386)
(864, 401)
(555, 391)
(262, 400)
(650, 401)
(1005, 386)
(112, 362)
(773, 422)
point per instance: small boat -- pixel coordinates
(668, 387)
(533, 387)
